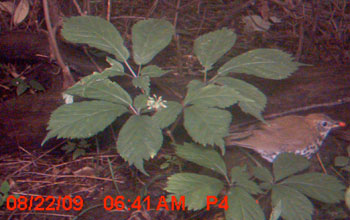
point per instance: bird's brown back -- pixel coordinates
(287, 133)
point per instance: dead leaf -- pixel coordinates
(7, 6)
(255, 23)
(85, 171)
(21, 12)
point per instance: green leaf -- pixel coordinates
(210, 47)
(207, 125)
(212, 96)
(139, 139)
(242, 206)
(263, 174)
(36, 85)
(295, 205)
(82, 119)
(17, 81)
(318, 186)
(266, 186)
(276, 211)
(21, 88)
(166, 116)
(194, 85)
(206, 157)
(164, 166)
(142, 82)
(251, 100)
(152, 71)
(116, 69)
(5, 187)
(96, 86)
(265, 63)
(140, 101)
(149, 37)
(287, 164)
(240, 177)
(194, 187)
(341, 161)
(78, 152)
(96, 32)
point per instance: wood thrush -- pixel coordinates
(302, 135)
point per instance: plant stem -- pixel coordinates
(214, 77)
(129, 67)
(134, 110)
(139, 70)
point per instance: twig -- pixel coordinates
(294, 110)
(67, 76)
(151, 10)
(128, 17)
(108, 13)
(240, 7)
(337, 173)
(328, 104)
(44, 214)
(78, 8)
(301, 40)
(80, 159)
(202, 22)
(321, 163)
(99, 69)
(177, 39)
(76, 176)
(12, 174)
(5, 87)
(250, 157)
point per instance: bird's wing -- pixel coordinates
(274, 137)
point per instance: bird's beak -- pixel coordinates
(339, 124)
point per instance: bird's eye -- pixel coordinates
(324, 123)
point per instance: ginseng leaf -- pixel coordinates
(265, 63)
(295, 206)
(211, 96)
(211, 46)
(149, 37)
(206, 157)
(242, 206)
(139, 139)
(96, 32)
(318, 186)
(207, 125)
(251, 100)
(82, 119)
(97, 86)
(194, 187)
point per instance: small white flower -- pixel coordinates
(156, 103)
(68, 99)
